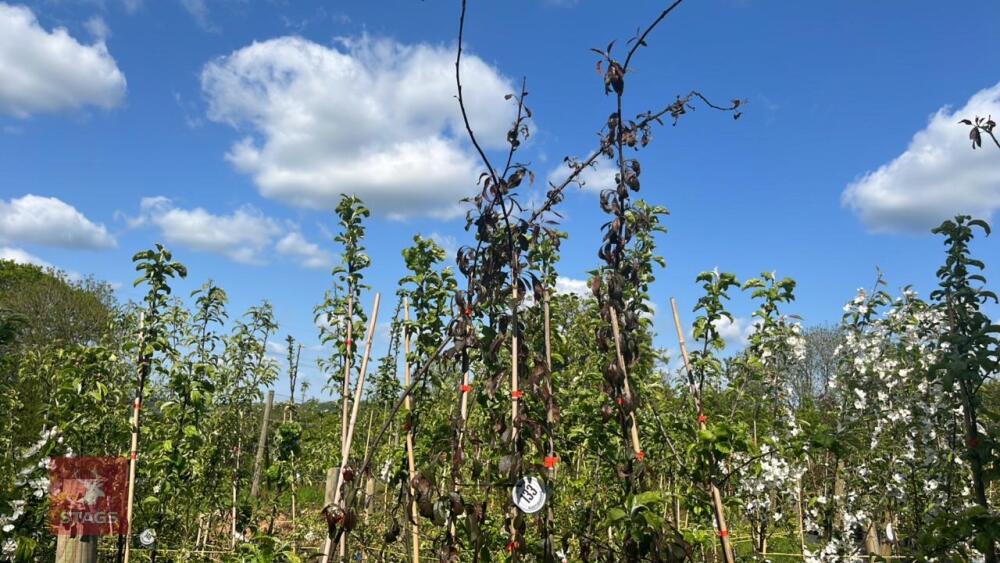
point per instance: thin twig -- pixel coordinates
(461, 99)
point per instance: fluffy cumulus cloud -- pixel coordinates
(246, 235)
(734, 331)
(938, 176)
(19, 256)
(371, 117)
(46, 71)
(49, 221)
(574, 286)
(307, 254)
(600, 176)
(243, 235)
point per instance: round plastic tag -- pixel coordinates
(529, 495)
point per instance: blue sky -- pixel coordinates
(228, 128)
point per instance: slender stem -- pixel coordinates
(461, 98)
(642, 38)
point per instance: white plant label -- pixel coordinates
(529, 495)
(147, 537)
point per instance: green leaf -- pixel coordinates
(614, 515)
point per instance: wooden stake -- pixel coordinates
(369, 482)
(236, 478)
(358, 392)
(549, 418)
(346, 389)
(261, 444)
(720, 516)
(513, 371)
(410, 460)
(76, 549)
(134, 448)
(633, 430)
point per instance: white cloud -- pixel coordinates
(49, 221)
(132, 6)
(573, 286)
(309, 254)
(938, 176)
(372, 117)
(447, 243)
(19, 256)
(600, 176)
(97, 27)
(42, 71)
(199, 11)
(736, 331)
(242, 236)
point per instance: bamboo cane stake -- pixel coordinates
(514, 392)
(346, 393)
(549, 419)
(410, 461)
(134, 447)
(548, 380)
(236, 474)
(360, 387)
(348, 356)
(358, 392)
(513, 371)
(236, 478)
(633, 428)
(720, 516)
(798, 502)
(369, 482)
(258, 461)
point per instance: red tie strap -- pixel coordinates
(349, 342)
(517, 393)
(723, 533)
(702, 419)
(550, 461)
(465, 388)
(512, 546)
(640, 455)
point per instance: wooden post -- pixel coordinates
(143, 371)
(633, 429)
(348, 356)
(360, 388)
(410, 461)
(76, 549)
(236, 476)
(346, 390)
(513, 371)
(515, 393)
(369, 482)
(798, 502)
(358, 392)
(548, 380)
(720, 516)
(261, 445)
